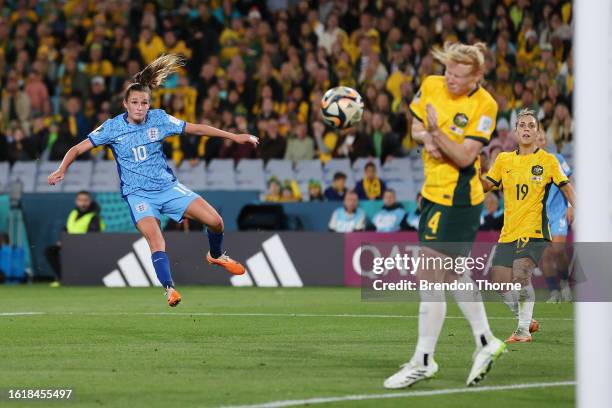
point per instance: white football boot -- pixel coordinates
(555, 297)
(566, 292)
(410, 373)
(484, 357)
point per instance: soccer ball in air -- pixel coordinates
(341, 107)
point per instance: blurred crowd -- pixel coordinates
(262, 66)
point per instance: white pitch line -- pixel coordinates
(20, 313)
(363, 397)
(358, 316)
(216, 314)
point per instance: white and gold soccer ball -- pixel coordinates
(341, 107)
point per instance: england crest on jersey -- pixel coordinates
(153, 134)
(141, 207)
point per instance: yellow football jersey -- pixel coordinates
(469, 116)
(526, 180)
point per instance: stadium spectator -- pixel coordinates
(71, 79)
(371, 187)
(150, 45)
(492, 218)
(505, 139)
(16, 104)
(560, 130)
(40, 138)
(376, 140)
(392, 217)
(299, 146)
(84, 218)
(273, 145)
(274, 190)
(413, 217)
(337, 190)
(315, 191)
(290, 191)
(97, 95)
(37, 91)
(288, 195)
(328, 36)
(98, 65)
(19, 146)
(60, 141)
(349, 217)
(78, 124)
(274, 66)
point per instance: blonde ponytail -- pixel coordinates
(154, 74)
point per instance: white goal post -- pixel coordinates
(593, 152)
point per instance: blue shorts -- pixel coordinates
(172, 202)
(558, 225)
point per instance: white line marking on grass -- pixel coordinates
(293, 403)
(358, 316)
(221, 314)
(20, 313)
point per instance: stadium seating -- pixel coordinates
(279, 168)
(220, 175)
(396, 169)
(397, 173)
(249, 175)
(79, 177)
(306, 170)
(42, 185)
(105, 177)
(24, 172)
(193, 177)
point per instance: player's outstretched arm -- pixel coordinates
(71, 155)
(569, 193)
(461, 154)
(205, 130)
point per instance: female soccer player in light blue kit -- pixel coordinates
(560, 213)
(148, 185)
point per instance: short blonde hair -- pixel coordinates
(527, 112)
(473, 55)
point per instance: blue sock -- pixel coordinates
(564, 275)
(552, 283)
(215, 240)
(162, 268)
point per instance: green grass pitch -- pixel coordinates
(239, 346)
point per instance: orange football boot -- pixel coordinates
(174, 297)
(233, 267)
(518, 338)
(534, 326)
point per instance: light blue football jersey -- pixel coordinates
(556, 205)
(137, 148)
(341, 221)
(389, 220)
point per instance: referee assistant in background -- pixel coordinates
(84, 218)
